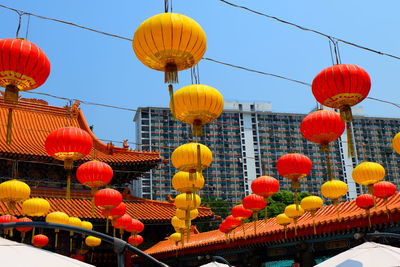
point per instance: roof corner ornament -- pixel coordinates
(125, 143)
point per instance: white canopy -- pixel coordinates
(22, 255)
(369, 254)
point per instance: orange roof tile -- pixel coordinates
(33, 120)
(142, 209)
(269, 231)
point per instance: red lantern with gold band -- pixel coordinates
(341, 87)
(384, 190)
(322, 127)
(107, 199)
(94, 174)
(365, 202)
(23, 67)
(265, 186)
(68, 144)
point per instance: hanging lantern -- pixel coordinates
(294, 212)
(183, 183)
(192, 158)
(23, 230)
(226, 229)
(322, 127)
(57, 217)
(265, 186)
(169, 42)
(181, 214)
(175, 237)
(187, 202)
(86, 225)
(73, 221)
(135, 240)
(232, 222)
(365, 202)
(179, 226)
(197, 104)
(8, 219)
(334, 190)
(94, 174)
(240, 213)
(68, 144)
(13, 192)
(312, 204)
(107, 199)
(294, 166)
(23, 66)
(92, 242)
(368, 173)
(135, 227)
(116, 212)
(35, 207)
(284, 220)
(40, 241)
(341, 87)
(396, 143)
(255, 203)
(384, 190)
(123, 222)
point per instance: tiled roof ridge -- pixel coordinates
(268, 230)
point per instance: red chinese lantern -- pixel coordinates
(68, 144)
(116, 212)
(265, 186)
(135, 227)
(8, 219)
(365, 202)
(255, 203)
(294, 166)
(135, 240)
(94, 174)
(23, 66)
(322, 127)
(40, 241)
(384, 190)
(107, 199)
(232, 221)
(78, 257)
(240, 213)
(23, 230)
(341, 87)
(122, 222)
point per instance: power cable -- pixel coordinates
(310, 30)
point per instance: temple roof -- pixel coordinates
(326, 220)
(80, 206)
(34, 119)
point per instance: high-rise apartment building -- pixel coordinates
(248, 139)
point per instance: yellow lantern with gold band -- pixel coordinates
(13, 192)
(59, 218)
(181, 214)
(92, 242)
(294, 212)
(35, 207)
(334, 190)
(181, 182)
(73, 221)
(284, 220)
(197, 104)
(312, 204)
(169, 42)
(368, 173)
(396, 143)
(179, 226)
(175, 237)
(187, 202)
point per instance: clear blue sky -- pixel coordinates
(97, 68)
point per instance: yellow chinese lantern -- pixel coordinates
(396, 143)
(179, 226)
(294, 212)
(312, 204)
(87, 225)
(368, 173)
(35, 207)
(73, 221)
(197, 104)
(13, 192)
(57, 217)
(92, 242)
(187, 202)
(181, 214)
(284, 220)
(192, 158)
(334, 190)
(185, 183)
(169, 42)
(175, 237)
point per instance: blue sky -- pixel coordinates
(97, 68)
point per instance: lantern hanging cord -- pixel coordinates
(311, 30)
(226, 2)
(20, 14)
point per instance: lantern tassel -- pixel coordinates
(68, 165)
(371, 191)
(199, 159)
(70, 242)
(369, 218)
(244, 231)
(336, 204)
(194, 200)
(10, 97)
(313, 221)
(295, 226)
(107, 224)
(255, 217)
(387, 209)
(22, 237)
(197, 128)
(113, 231)
(266, 209)
(171, 73)
(56, 238)
(91, 256)
(350, 141)
(33, 234)
(171, 99)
